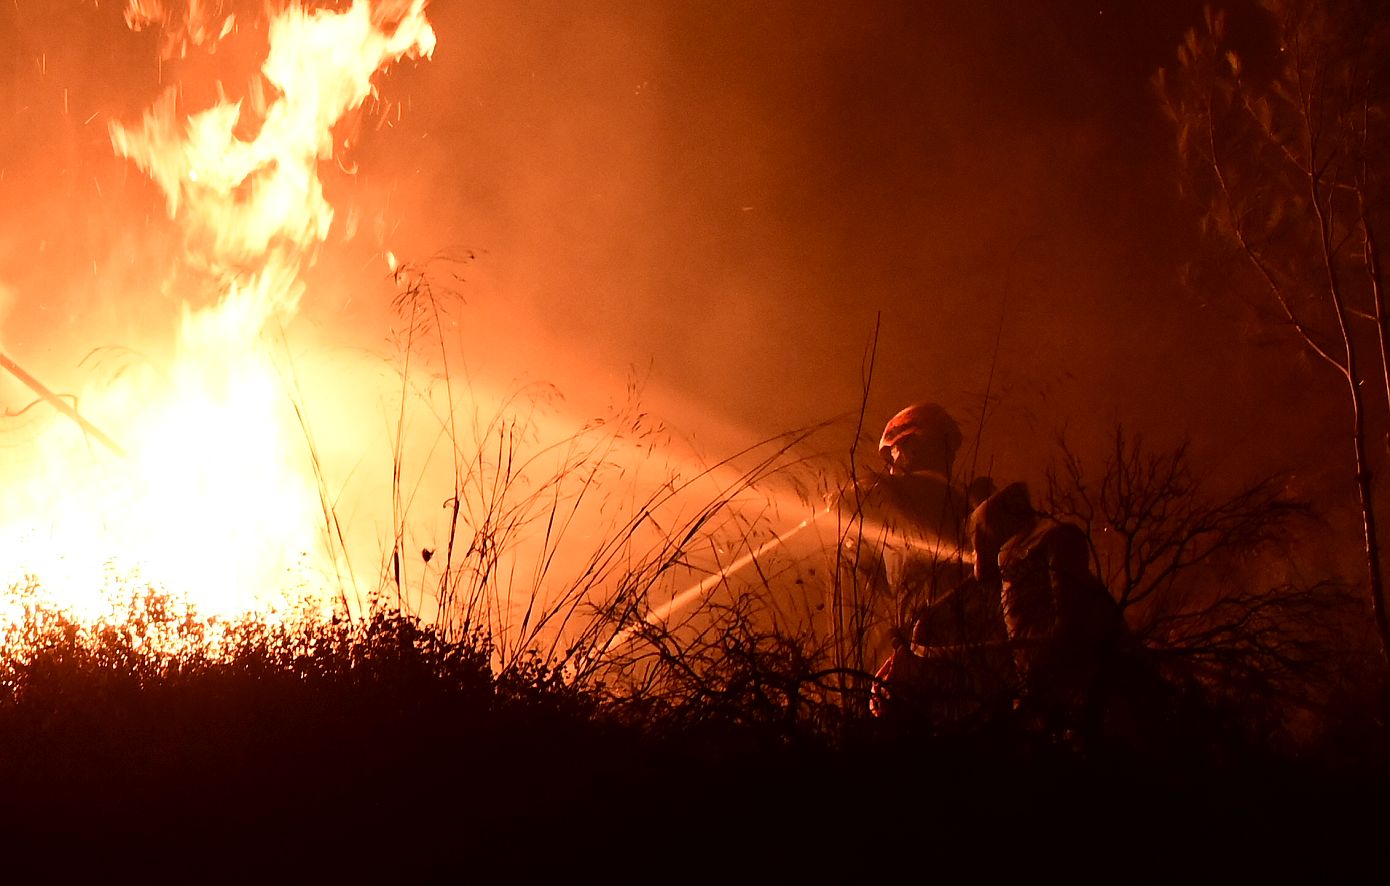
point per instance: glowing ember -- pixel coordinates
(217, 499)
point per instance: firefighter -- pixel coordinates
(913, 515)
(917, 503)
(1064, 629)
(957, 668)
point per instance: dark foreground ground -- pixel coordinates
(394, 766)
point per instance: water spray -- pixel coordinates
(938, 548)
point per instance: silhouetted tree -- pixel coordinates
(1194, 572)
(1286, 151)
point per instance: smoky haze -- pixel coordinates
(734, 193)
(723, 197)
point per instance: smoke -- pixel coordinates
(735, 196)
(724, 199)
(6, 303)
(6, 390)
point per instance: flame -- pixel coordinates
(200, 24)
(254, 210)
(218, 499)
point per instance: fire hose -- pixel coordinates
(938, 548)
(61, 405)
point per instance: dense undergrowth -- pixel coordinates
(341, 745)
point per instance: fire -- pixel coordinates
(217, 499)
(253, 210)
(200, 24)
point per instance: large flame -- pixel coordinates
(253, 210)
(217, 499)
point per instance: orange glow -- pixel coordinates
(200, 23)
(217, 501)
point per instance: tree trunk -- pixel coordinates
(1371, 537)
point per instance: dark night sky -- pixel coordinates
(730, 193)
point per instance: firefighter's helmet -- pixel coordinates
(921, 437)
(998, 518)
